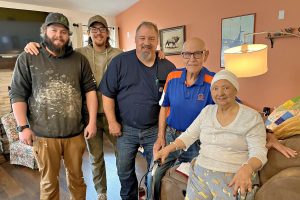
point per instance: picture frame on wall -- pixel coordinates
(233, 30)
(172, 39)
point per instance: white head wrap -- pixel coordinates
(226, 75)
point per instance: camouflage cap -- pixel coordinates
(57, 18)
(97, 18)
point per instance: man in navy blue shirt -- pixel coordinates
(131, 89)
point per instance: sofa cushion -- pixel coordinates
(277, 161)
(284, 185)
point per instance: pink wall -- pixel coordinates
(203, 19)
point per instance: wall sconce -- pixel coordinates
(250, 60)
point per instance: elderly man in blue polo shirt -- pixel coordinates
(186, 93)
(131, 89)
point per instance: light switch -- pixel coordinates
(281, 14)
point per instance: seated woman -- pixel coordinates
(233, 144)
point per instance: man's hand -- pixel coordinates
(272, 142)
(90, 131)
(32, 48)
(26, 136)
(114, 129)
(159, 144)
(161, 54)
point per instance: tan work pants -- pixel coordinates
(49, 152)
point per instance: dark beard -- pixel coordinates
(59, 51)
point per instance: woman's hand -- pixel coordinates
(272, 142)
(174, 146)
(162, 154)
(241, 181)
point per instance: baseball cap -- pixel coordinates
(57, 18)
(97, 18)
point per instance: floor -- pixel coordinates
(21, 183)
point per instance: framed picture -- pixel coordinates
(233, 30)
(172, 39)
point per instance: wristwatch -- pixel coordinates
(21, 128)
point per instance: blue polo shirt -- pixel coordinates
(186, 102)
(136, 88)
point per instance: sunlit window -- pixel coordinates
(85, 39)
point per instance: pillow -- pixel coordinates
(289, 109)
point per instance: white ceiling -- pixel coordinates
(101, 7)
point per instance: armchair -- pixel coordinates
(20, 154)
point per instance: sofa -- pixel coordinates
(20, 154)
(280, 177)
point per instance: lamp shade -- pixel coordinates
(247, 60)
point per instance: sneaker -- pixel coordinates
(102, 196)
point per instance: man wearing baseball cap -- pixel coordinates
(57, 18)
(46, 95)
(99, 54)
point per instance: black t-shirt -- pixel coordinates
(136, 88)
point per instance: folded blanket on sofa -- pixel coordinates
(284, 121)
(288, 128)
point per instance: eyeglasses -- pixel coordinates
(95, 29)
(196, 54)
